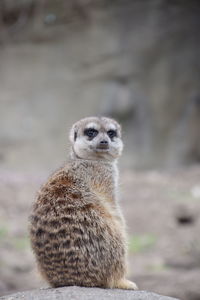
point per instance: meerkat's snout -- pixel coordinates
(103, 145)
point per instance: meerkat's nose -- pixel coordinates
(103, 144)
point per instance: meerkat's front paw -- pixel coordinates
(126, 285)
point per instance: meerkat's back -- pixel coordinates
(71, 235)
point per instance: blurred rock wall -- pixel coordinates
(137, 61)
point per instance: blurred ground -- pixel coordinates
(162, 210)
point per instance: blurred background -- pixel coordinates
(133, 60)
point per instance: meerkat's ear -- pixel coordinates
(73, 133)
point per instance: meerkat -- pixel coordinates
(77, 229)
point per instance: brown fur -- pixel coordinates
(77, 231)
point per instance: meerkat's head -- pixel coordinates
(96, 138)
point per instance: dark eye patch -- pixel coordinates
(91, 132)
(75, 135)
(112, 133)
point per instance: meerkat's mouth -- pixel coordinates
(103, 146)
(102, 150)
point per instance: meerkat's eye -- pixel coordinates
(112, 133)
(91, 132)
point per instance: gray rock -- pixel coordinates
(74, 293)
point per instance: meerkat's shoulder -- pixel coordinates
(70, 169)
(57, 175)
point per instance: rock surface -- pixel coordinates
(85, 293)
